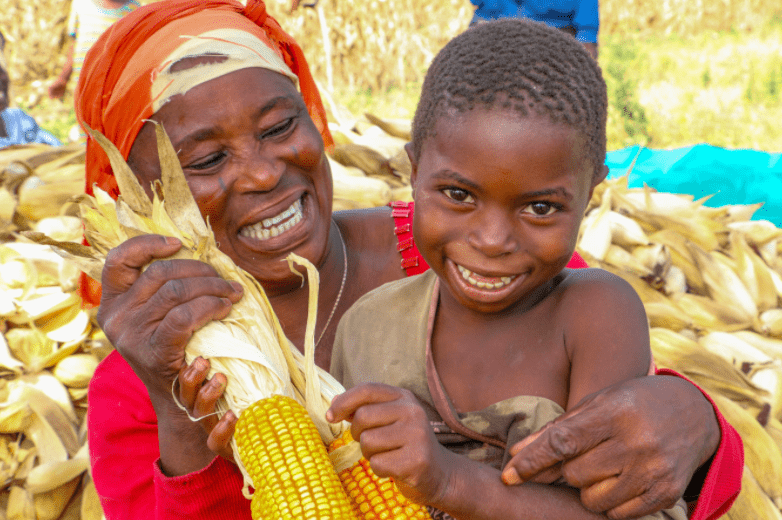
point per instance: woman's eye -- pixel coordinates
(458, 194)
(541, 208)
(278, 129)
(208, 162)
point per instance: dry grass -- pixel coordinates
(378, 51)
(373, 44)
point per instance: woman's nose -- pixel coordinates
(259, 173)
(494, 235)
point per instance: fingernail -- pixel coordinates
(238, 287)
(173, 241)
(510, 477)
(329, 415)
(200, 363)
(227, 302)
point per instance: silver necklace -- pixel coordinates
(341, 287)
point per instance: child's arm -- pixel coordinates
(607, 340)
(397, 439)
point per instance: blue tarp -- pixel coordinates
(731, 176)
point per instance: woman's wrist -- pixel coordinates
(182, 442)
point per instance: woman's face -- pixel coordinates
(255, 164)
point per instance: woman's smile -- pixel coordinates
(276, 225)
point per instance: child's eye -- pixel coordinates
(208, 162)
(458, 194)
(541, 208)
(278, 129)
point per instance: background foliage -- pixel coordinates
(679, 72)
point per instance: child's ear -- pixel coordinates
(597, 179)
(413, 164)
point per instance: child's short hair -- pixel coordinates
(521, 64)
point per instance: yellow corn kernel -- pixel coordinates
(372, 497)
(291, 472)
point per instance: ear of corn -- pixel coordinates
(372, 497)
(283, 452)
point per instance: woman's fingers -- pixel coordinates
(191, 378)
(178, 324)
(124, 263)
(220, 437)
(568, 436)
(631, 448)
(199, 396)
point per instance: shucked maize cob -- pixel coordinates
(283, 453)
(372, 497)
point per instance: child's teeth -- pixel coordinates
(468, 275)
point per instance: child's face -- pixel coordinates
(499, 199)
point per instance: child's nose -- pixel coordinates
(494, 235)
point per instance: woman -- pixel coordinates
(234, 93)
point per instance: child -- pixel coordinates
(86, 22)
(449, 369)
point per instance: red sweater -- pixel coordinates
(125, 456)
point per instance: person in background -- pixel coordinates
(579, 18)
(17, 127)
(86, 22)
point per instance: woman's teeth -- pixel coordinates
(484, 282)
(271, 227)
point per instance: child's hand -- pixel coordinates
(396, 438)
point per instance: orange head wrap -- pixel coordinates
(115, 91)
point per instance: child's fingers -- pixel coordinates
(382, 439)
(344, 406)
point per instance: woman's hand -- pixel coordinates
(199, 396)
(396, 438)
(150, 315)
(631, 448)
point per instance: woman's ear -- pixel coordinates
(413, 164)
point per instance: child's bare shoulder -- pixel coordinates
(594, 290)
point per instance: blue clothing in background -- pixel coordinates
(22, 129)
(582, 15)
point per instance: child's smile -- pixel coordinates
(499, 199)
(486, 287)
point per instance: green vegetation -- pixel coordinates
(721, 88)
(673, 79)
